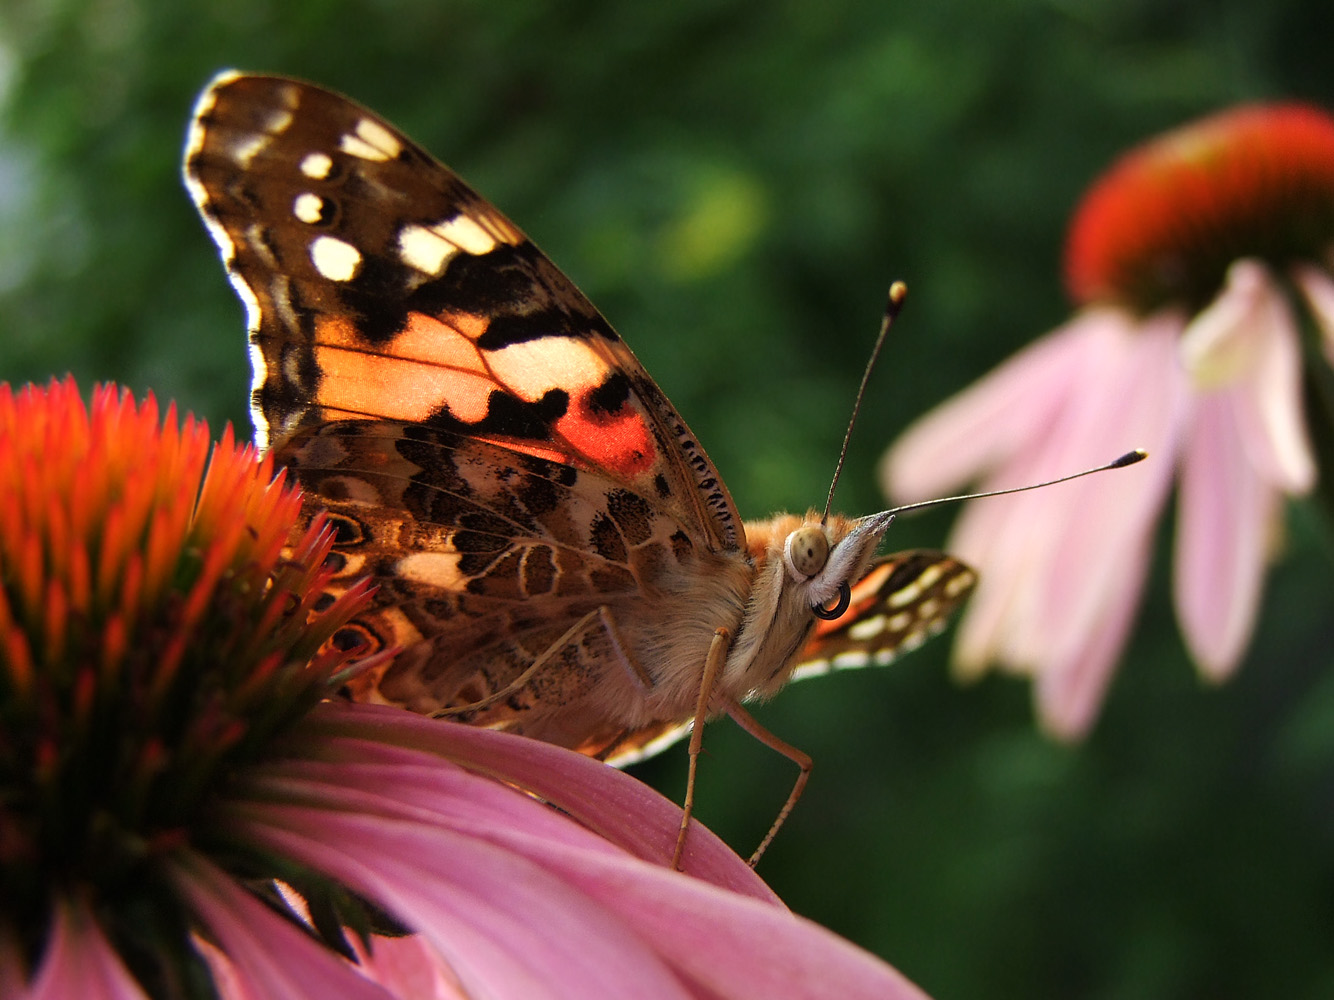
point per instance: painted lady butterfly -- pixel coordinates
(555, 553)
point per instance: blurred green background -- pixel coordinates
(736, 184)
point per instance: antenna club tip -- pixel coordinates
(898, 291)
(1129, 458)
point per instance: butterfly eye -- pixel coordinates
(806, 551)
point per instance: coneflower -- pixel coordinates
(187, 810)
(1194, 261)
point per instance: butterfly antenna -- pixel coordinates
(898, 291)
(1129, 458)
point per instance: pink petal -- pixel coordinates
(1318, 288)
(408, 967)
(987, 423)
(80, 961)
(519, 913)
(738, 947)
(1225, 513)
(505, 926)
(1246, 342)
(1069, 692)
(616, 806)
(266, 955)
(13, 969)
(1055, 564)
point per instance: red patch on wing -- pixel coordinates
(620, 442)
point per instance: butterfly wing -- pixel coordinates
(492, 452)
(902, 601)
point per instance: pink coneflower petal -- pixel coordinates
(501, 884)
(408, 967)
(1246, 343)
(503, 923)
(1069, 691)
(1045, 589)
(1226, 512)
(269, 956)
(1137, 401)
(1318, 288)
(619, 808)
(979, 428)
(80, 962)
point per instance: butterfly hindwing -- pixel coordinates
(902, 601)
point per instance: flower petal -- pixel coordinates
(618, 807)
(505, 902)
(1069, 691)
(505, 926)
(987, 423)
(1054, 564)
(1246, 342)
(1225, 513)
(266, 955)
(408, 967)
(1318, 288)
(80, 961)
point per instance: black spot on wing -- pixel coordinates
(378, 297)
(606, 539)
(610, 396)
(508, 416)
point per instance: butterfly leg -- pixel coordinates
(713, 664)
(752, 726)
(573, 632)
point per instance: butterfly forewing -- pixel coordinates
(380, 286)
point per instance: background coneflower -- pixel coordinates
(1196, 262)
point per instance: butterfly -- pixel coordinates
(555, 553)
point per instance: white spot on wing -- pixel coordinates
(278, 122)
(867, 628)
(464, 232)
(336, 260)
(905, 595)
(371, 141)
(430, 248)
(851, 658)
(956, 585)
(422, 249)
(316, 166)
(246, 149)
(437, 569)
(308, 208)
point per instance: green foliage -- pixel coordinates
(736, 184)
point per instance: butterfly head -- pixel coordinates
(823, 559)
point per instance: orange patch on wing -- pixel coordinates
(448, 341)
(358, 378)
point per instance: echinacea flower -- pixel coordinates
(1196, 263)
(185, 811)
